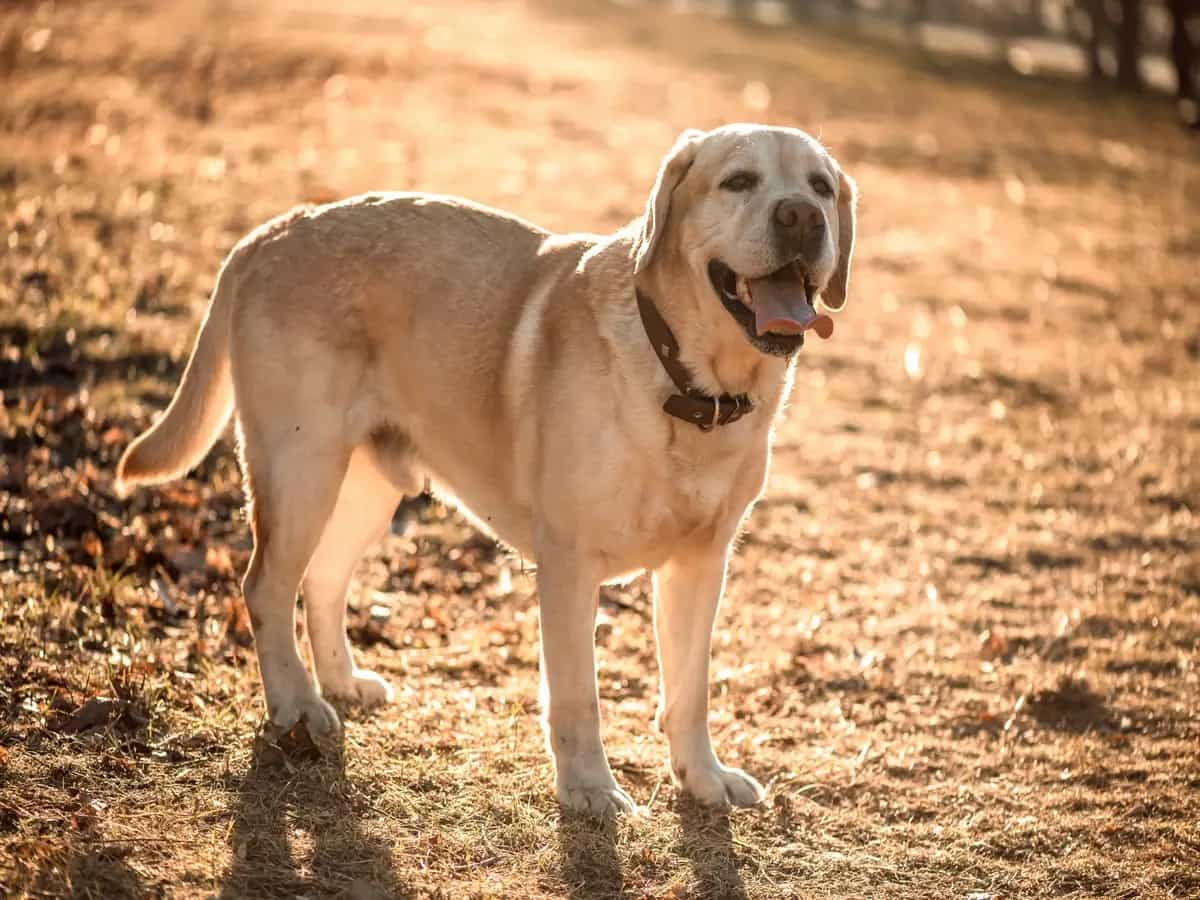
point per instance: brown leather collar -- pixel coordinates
(690, 404)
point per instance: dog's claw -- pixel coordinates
(601, 801)
(315, 712)
(364, 687)
(724, 788)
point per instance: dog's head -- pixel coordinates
(760, 222)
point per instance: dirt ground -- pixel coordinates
(960, 642)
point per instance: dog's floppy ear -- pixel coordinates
(674, 167)
(839, 284)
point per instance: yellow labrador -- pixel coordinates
(601, 403)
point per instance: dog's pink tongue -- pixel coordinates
(780, 305)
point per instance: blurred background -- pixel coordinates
(960, 635)
(1127, 44)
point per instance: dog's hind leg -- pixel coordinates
(293, 481)
(365, 505)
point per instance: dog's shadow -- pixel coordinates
(298, 828)
(707, 841)
(592, 865)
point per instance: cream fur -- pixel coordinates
(374, 343)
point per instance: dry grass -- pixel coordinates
(960, 641)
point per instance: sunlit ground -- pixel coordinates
(960, 638)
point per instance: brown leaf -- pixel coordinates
(96, 712)
(184, 495)
(90, 542)
(237, 620)
(87, 816)
(992, 645)
(217, 558)
(114, 435)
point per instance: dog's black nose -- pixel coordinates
(800, 225)
(798, 215)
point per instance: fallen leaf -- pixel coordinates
(113, 435)
(96, 712)
(90, 542)
(992, 645)
(217, 558)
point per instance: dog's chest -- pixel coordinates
(661, 504)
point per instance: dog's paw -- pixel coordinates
(361, 686)
(603, 800)
(720, 786)
(309, 708)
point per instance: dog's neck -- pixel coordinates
(690, 404)
(718, 357)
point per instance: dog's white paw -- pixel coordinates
(603, 799)
(362, 686)
(720, 786)
(310, 708)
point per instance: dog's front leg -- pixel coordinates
(687, 591)
(567, 589)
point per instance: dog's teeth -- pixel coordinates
(743, 291)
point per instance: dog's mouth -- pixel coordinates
(775, 310)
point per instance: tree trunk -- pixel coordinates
(1033, 16)
(744, 10)
(1098, 25)
(918, 14)
(1183, 51)
(1129, 44)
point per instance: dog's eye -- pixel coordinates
(740, 181)
(821, 185)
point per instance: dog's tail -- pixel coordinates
(199, 409)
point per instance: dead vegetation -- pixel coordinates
(960, 641)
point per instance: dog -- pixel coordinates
(603, 404)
